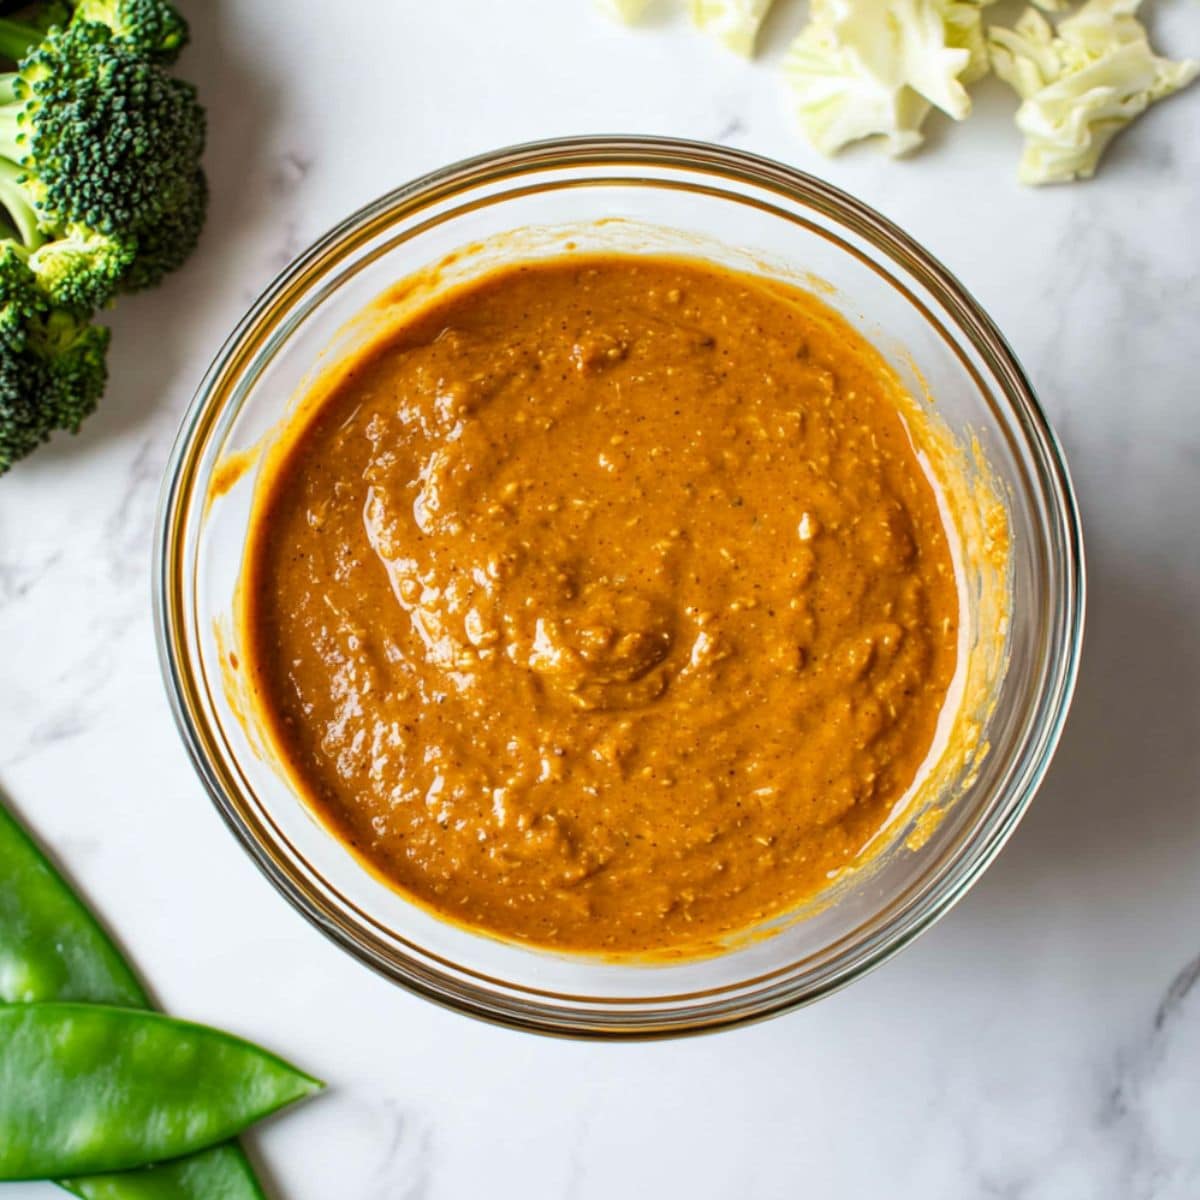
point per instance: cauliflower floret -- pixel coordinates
(1080, 84)
(862, 68)
(735, 22)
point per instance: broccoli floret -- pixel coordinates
(52, 363)
(151, 27)
(101, 182)
(23, 425)
(74, 353)
(166, 245)
(20, 300)
(24, 380)
(80, 268)
(107, 139)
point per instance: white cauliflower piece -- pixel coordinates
(1080, 84)
(873, 68)
(734, 22)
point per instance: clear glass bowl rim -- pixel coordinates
(737, 166)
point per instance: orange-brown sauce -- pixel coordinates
(604, 605)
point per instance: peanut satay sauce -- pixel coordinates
(604, 605)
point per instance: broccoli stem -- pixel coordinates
(20, 210)
(17, 38)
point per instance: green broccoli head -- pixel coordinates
(150, 27)
(74, 353)
(23, 377)
(52, 363)
(106, 138)
(20, 299)
(82, 269)
(165, 246)
(23, 425)
(101, 182)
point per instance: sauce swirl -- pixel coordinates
(604, 605)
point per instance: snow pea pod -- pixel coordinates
(87, 1089)
(52, 948)
(223, 1173)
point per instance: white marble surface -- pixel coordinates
(1042, 1043)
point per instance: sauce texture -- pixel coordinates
(604, 605)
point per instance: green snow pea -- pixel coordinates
(219, 1174)
(52, 948)
(87, 1089)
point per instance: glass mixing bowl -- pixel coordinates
(661, 195)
